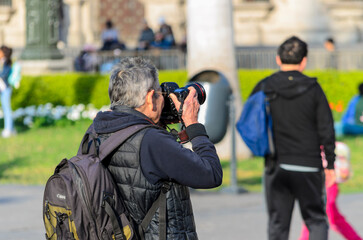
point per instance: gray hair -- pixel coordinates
(131, 80)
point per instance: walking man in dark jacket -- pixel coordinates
(152, 156)
(302, 125)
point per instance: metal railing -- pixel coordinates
(246, 58)
(163, 59)
(256, 58)
(345, 59)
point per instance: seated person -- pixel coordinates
(352, 120)
(87, 60)
(166, 32)
(146, 37)
(160, 42)
(110, 38)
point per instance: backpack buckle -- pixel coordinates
(119, 236)
(166, 187)
(109, 197)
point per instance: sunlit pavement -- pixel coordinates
(217, 215)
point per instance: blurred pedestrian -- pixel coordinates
(336, 219)
(332, 59)
(302, 122)
(6, 90)
(352, 121)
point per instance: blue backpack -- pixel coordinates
(255, 125)
(15, 75)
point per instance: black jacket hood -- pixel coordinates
(289, 84)
(119, 118)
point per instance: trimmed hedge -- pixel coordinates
(339, 86)
(72, 88)
(65, 89)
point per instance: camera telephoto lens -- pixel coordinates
(200, 91)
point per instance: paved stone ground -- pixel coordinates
(217, 215)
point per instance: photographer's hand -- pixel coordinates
(190, 107)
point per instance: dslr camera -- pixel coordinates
(169, 113)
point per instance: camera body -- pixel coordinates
(169, 113)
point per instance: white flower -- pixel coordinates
(105, 108)
(74, 115)
(80, 107)
(28, 121)
(91, 114)
(58, 112)
(30, 111)
(18, 113)
(44, 110)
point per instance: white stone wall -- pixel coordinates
(346, 21)
(81, 22)
(270, 23)
(289, 17)
(12, 24)
(80, 19)
(255, 23)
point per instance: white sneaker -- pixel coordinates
(7, 133)
(2, 85)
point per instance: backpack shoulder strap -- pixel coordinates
(111, 143)
(108, 146)
(270, 93)
(160, 203)
(83, 148)
(119, 137)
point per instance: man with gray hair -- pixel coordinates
(152, 157)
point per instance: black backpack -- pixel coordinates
(81, 199)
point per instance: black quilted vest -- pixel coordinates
(139, 194)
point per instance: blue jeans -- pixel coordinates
(6, 105)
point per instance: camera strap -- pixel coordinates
(180, 113)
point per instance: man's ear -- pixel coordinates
(303, 64)
(150, 100)
(278, 60)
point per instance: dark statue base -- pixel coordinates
(37, 67)
(30, 53)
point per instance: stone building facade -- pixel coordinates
(256, 22)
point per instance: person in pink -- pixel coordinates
(337, 221)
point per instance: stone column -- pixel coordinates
(76, 37)
(42, 31)
(211, 46)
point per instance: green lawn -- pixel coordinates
(31, 156)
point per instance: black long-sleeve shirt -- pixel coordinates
(302, 119)
(162, 157)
